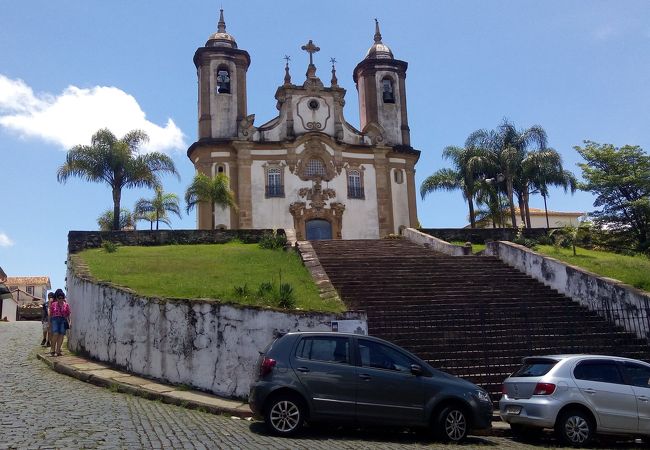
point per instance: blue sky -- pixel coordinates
(580, 69)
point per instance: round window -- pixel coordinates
(313, 104)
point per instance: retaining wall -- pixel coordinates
(605, 295)
(434, 243)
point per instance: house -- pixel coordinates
(308, 168)
(8, 306)
(29, 294)
(556, 219)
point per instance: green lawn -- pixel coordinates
(230, 272)
(475, 247)
(633, 270)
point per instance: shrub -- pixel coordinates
(241, 291)
(264, 289)
(110, 247)
(272, 241)
(285, 298)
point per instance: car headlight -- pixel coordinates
(482, 395)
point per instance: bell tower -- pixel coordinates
(221, 69)
(380, 81)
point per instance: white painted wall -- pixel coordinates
(9, 309)
(389, 114)
(204, 344)
(400, 201)
(223, 107)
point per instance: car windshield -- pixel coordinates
(534, 368)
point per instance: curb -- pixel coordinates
(156, 391)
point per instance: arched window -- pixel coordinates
(387, 90)
(221, 169)
(315, 168)
(355, 187)
(399, 176)
(223, 81)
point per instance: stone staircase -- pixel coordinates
(472, 316)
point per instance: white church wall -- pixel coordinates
(360, 219)
(272, 212)
(204, 344)
(307, 119)
(390, 114)
(223, 107)
(400, 201)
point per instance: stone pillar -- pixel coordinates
(205, 119)
(410, 189)
(405, 130)
(384, 196)
(244, 192)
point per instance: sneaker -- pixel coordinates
(43, 342)
(47, 344)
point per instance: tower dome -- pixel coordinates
(221, 38)
(379, 50)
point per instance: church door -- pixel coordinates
(318, 229)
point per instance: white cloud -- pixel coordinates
(5, 241)
(72, 117)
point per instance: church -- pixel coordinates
(308, 168)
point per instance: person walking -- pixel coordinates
(45, 319)
(59, 316)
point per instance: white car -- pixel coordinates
(578, 396)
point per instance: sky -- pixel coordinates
(578, 68)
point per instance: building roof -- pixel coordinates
(540, 212)
(28, 281)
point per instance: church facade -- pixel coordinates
(307, 168)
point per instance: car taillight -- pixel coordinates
(544, 389)
(267, 366)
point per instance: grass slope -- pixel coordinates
(208, 271)
(633, 270)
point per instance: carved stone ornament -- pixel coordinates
(375, 132)
(246, 130)
(318, 198)
(314, 148)
(317, 195)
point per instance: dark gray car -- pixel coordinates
(348, 378)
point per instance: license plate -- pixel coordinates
(514, 410)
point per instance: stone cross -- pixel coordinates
(311, 49)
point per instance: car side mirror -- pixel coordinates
(416, 369)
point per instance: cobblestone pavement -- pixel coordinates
(40, 408)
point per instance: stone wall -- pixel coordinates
(614, 300)
(201, 343)
(80, 240)
(436, 244)
(482, 235)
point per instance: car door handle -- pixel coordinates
(590, 391)
(364, 376)
(302, 369)
(643, 398)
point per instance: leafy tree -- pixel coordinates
(502, 151)
(215, 191)
(106, 222)
(459, 177)
(620, 180)
(117, 163)
(151, 218)
(158, 206)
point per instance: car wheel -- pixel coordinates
(452, 424)
(285, 414)
(574, 428)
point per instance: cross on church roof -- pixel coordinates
(311, 49)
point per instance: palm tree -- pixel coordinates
(215, 191)
(116, 162)
(503, 150)
(105, 221)
(460, 177)
(151, 218)
(159, 205)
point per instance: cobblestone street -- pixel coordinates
(40, 408)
